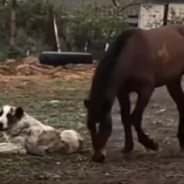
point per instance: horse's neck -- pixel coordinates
(101, 88)
(101, 98)
(101, 104)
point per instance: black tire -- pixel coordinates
(64, 58)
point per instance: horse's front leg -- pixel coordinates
(144, 96)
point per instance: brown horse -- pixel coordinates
(138, 61)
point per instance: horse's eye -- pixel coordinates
(1, 113)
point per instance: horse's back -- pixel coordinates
(166, 34)
(157, 54)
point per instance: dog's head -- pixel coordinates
(9, 116)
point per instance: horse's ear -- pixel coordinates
(86, 103)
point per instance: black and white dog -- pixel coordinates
(25, 135)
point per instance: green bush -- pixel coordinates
(86, 26)
(15, 53)
(12, 53)
(82, 27)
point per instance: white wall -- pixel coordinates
(178, 8)
(150, 15)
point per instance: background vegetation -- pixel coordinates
(31, 30)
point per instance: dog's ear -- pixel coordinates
(86, 103)
(19, 112)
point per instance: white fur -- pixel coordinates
(28, 130)
(97, 127)
(73, 139)
(3, 118)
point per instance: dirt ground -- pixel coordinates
(59, 102)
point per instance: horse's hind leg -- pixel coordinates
(136, 117)
(175, 91)
(124, 103)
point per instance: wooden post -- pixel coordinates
(56, 34)
(165, 17)
(51, 30)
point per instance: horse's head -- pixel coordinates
(99, 124)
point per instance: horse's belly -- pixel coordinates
(163, 76)
(168, 73)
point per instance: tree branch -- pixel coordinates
(114, 3)
(124, 7)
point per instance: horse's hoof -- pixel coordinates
(99, 156)
(152, 146)
(98, 159)
(155, 146)
(149, 144)
(127, 149)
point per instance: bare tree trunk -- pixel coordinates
(13, 26)
(121, 7)
(3, 2)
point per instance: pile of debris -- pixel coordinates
(30, 66)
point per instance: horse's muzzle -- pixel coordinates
(99, 156)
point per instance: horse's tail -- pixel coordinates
(120, 67)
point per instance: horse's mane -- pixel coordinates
(105, 67)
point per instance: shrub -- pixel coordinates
(88, 28)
